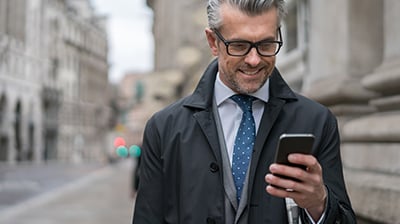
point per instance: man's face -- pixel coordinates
(244, 74)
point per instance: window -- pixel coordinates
(296, 26)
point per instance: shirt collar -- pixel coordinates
(223, 92)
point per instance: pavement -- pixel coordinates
(65, 194)
(86, 194)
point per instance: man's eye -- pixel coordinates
(239, 45)
(267, 46)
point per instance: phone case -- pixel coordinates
(293, 143)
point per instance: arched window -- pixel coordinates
(293, 64)
(4, 147)
(291, 28)
(2, 109)
(295, 26)
(13, 18)
(17, 130)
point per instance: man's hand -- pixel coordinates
(308, 192)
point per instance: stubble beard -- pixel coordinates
(243, 89)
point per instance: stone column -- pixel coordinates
(38, 133)
(167, 32)
(386, 78)
(10, 117)
(372, 148)
(345, 44)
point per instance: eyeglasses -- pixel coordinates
(266, 48)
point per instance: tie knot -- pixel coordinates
(245, 102)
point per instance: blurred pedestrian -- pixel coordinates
(135, 178)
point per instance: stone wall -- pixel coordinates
(372, 142)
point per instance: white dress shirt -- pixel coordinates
(230, 115)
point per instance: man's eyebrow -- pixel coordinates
(268, 39)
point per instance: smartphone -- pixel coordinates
(293, 143)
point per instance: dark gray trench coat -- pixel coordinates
(181, 172)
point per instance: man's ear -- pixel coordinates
(212, 41)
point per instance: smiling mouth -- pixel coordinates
(250, 72)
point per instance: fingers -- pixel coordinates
(308, 161)
(311, 176)
(287, 178)
(306, 187)
(282, 193)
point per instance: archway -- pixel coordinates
(3, 138)
(17, 131)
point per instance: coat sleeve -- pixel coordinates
(339, 208)
(149, 202)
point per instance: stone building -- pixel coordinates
(53, 81)
(22, 65)
(344, 54)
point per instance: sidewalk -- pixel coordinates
(99, 198)
(24, 181)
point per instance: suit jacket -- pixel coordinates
(182, 178)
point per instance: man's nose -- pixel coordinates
(253, 58)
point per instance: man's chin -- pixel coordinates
(248, 90)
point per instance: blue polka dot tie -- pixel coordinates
(244, 142)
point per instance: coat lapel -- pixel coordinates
(280, 93)
(271, 112)
(206, 121)
(201, 103)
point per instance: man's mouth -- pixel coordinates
(250, 72)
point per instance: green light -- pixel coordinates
(122, 151)
(134, 151)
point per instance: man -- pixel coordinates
(189, 170)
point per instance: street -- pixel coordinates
(101, 196)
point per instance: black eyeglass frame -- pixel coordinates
(252, 44)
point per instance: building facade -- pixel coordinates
(348, 58)
(344, 54)
(22, 65)
(53, 81)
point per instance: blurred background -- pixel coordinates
(77, 74)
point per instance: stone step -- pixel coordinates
(374, 196)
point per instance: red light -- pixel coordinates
(119, 141)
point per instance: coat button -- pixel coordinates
(210, 221)
(214, 167)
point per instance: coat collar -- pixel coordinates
(202, 96)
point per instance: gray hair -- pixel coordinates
(250, 7)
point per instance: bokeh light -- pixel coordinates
(119, 141)
(122, 151)
(134, 151)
